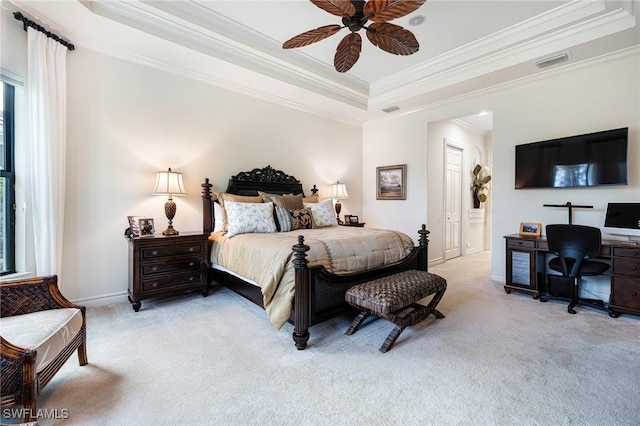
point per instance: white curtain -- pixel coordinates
(46, 146)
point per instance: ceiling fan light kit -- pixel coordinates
(355, 14)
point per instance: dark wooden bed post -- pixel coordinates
(207, 207)
(423, 258)
(301, 301)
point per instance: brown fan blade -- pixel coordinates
(383, 11)
(392, 38)
(339, 8)
(311, 36)
(348, 52)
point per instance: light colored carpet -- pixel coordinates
(496, 359)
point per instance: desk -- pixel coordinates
(526, 268)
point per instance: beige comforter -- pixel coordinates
(266, 259)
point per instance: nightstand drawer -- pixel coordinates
(626, 266)
(626, 292)
(173, 281)
(171, 250)
(150, 268)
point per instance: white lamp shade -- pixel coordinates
(339, 191)
(169, 183)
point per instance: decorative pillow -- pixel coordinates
(244, 218)
(287, 201)
(312, 199)
(218, 219)
(283, 219)
(224, 196)
(301, 219)
(322, 214)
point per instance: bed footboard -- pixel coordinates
(306, 307)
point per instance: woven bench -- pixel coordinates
(394, 298)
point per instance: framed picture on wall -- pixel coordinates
(391, 182)
(531, 229)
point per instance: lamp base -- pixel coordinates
(170, 212)
(338, 210)
(170, 231)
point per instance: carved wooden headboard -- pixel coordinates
(249, 183)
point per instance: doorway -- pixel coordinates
(453, 201)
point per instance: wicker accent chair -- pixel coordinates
(34, 310)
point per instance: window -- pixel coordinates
(7, 181)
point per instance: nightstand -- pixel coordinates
(359, 224)
(165, 265)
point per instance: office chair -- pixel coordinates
(574, 246)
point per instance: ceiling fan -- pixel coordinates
(355, 14)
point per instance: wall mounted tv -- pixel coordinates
(576, 161)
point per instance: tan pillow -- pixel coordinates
(312, 199)
(288, 201)
(222, 196)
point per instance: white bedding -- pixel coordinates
(266, 259)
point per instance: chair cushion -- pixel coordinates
(385, 295)
(48, 332)
(588, 267)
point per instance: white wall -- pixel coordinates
(127, 121)
(577, 99)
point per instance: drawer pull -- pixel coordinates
(634, 268)
(520, 243)
(154, 285)
(155, 268)
(634, 294)
(154, 253)
(190, 263)
(191, 278)
(191, 249)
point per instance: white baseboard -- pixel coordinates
(108, 299)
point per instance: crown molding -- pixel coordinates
(157, 18)
(589, 30)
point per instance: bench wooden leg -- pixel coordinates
(355, 325)
(391, 338)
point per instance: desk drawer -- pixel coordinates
(626, 292)
(512, 242)
(626, 266)
(627, 252)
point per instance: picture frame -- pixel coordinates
(353, 219)
(391, 182)
(146, 227)
(531, 229)
(134, 227)
(347, 218)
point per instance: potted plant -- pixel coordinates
(480, 178)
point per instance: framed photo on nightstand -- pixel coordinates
(145, 225)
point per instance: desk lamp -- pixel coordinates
(338, 192)
(169, 183)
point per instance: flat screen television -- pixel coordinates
(576, 161)
(623, 219)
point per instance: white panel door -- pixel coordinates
(453, 202)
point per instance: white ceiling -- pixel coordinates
(464, 46)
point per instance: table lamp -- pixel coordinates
(338, 192)
(169, 183)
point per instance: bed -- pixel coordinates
(312, 284)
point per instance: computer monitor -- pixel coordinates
(623, 219)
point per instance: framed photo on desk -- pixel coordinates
(531, 229)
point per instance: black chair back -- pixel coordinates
(573, 244)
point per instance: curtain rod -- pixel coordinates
(29, 23)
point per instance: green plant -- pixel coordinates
(480, 178)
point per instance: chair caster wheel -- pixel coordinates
(613, 314)
(571, 311)
(543, 299)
